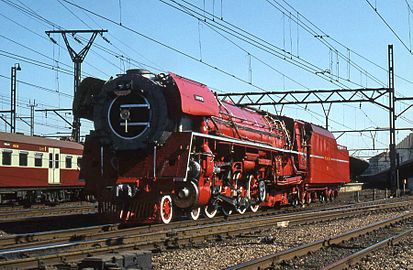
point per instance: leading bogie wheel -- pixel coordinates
(195, 213)
(166, 211)
(210, 211)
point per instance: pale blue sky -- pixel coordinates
(350, 22)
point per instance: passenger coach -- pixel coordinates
(36, 169)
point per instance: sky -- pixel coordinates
(346, 40)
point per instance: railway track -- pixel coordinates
(19, 214)
(356, 257)
(328, 253)
(35, 239)
(43, 249)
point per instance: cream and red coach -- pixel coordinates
(35, 168)
(163, 143)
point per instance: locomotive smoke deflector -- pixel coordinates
(196, 98)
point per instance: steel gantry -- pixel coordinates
(327, 97)
(322, 97)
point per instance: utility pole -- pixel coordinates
(31, 118)
(394, 181)
(16, 67)
(77, 58)
(32, 106)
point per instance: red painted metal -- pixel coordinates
(196, 98)
(175, 151)
(329, 162)
(14, 177)
(246, 124)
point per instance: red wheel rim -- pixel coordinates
(166, 209)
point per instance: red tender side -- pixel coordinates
(196, 98)
(329, 162)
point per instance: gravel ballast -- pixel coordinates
(218, 255)
(399, 256)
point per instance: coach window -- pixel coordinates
(50, 160)
(69, 162)
(6, 157)
(38, 160)
(79, 161)
(56, 161)
(23, 158)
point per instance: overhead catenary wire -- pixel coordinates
(49, 90)
(152, 65)
(214, 22)
(56, 67)
(389, 26)
(258, 59)
(33, 14)
(330, 37)
(244, 50)
(318, 71)
(121, 56)
(33, 61)
(409, 11)
(41, 54)
(42, 37)
(320, 35)
(23, 102)
(252, 39)
(168, 46)
(46, 119)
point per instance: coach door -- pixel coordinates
(54, 166)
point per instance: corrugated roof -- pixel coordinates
(20, 138)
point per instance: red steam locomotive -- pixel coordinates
(35, 169)
(164, 144)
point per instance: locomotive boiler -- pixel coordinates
(166, 146)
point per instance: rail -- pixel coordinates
(170, 236)
(276, 258)
(351, 260)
